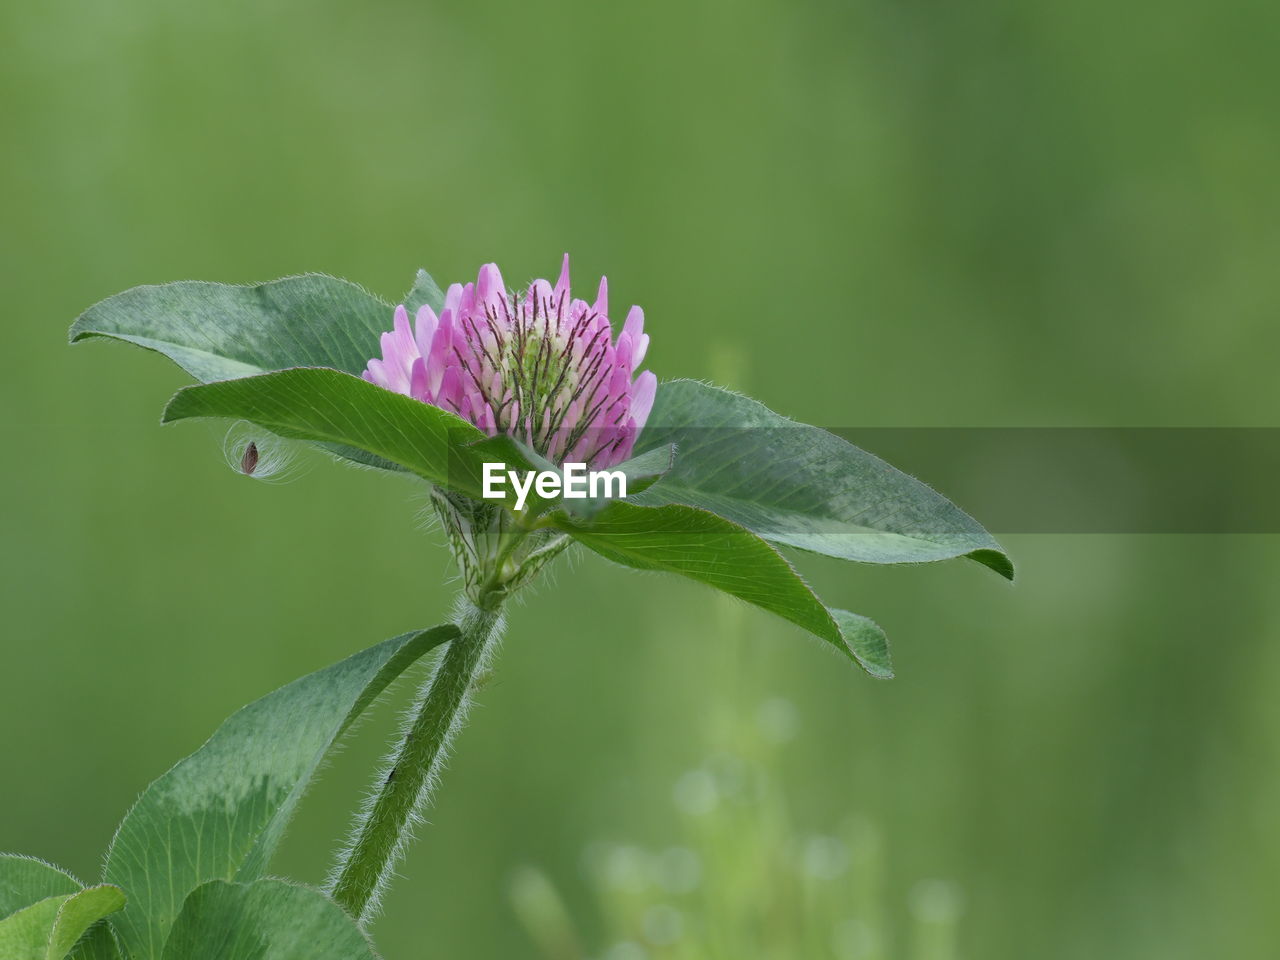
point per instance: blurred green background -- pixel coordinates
(866, 213)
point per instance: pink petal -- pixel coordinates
(602, 298)
(418, 380)
(635, 323)
(452, 299)
(491, 292)
(580, 449)
(377, 373)
(540, 300)
(626, 443)
(642, 393)
(562, 285)
(466, 302)
(403, 335)
(450, 394)
(623, 352)
(425, 328)
(619, 383)
(441, 342)
(634, 327)
(555, 446)
(395, 363)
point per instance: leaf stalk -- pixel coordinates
(405, 785)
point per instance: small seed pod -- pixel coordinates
(251, 452)
(249, 459)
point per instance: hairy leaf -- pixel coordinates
(25, 881)
(217, 331)
(50, 928)
(802, 486)
(264, 920)
(219, 813)
(424, 291)
(331, 407)
(704, 547)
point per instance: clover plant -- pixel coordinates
(476, 391)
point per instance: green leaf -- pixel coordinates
(25, 935)
(704, 547)
(335, 408)
(322, 405)
(264, 920)
(79, 913)
(25, 881)
(349, 413)
(869, 644)
(424, 291)
(50, 928)
(217, 331)
(219, 813)
(802, 486)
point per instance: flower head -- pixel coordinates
(539, 366)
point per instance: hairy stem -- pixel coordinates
(405, 785)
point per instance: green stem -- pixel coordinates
(385, 825)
